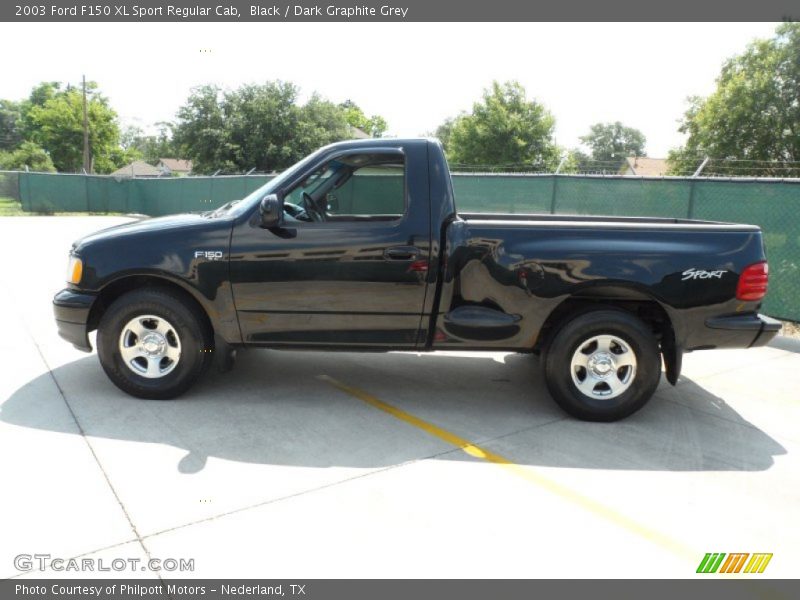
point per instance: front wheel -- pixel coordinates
(153, 343)
(603, 365)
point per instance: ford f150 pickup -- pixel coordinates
(360, 247)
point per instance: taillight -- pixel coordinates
(753, 282)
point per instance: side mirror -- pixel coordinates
(271, 211)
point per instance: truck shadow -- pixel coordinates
(273, 408)
(790, 344)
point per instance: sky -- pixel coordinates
(413, 74)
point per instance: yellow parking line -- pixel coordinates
(526, 473)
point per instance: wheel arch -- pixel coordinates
(639, 303)
(128, 283)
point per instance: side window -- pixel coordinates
(373, 191)
(358, 187)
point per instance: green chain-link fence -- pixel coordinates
(9, 185)
(774, 205)
(48, 193)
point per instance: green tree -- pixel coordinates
(55, 122)
(320, 122)
(152, 147)
(612, 142)
(374, 125)
(504, 128)
(26, 155)
(261, 121)
(200, 133)
(39, 95)
(114, 158)
(577, 161)
(754, 113)
(443, 132)
(15, 121)
(255, 126)
(43, 92)
(11, 125)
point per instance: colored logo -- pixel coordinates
(743, 562)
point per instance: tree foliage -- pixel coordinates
(54, 121)
(256, 126)
(374, 125)
(443, 132)
(200, 131)
(577, 161)
(320, 122)
(45, 130)
(11, 125)
(612, 142)
(26, 156)
(754, 114)
(504, 128)
(149, 147)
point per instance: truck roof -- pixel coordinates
(380, 142)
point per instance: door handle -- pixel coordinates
(401, 253)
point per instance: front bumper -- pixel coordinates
(751, 329)
(72, 310)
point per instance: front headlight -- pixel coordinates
(74, 270)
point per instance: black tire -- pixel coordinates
(577, 334)
(188, 323)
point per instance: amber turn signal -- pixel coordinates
(74, 270)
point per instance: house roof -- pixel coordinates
(137, 168)
(177, 164)
(358, 134)
(646, 167)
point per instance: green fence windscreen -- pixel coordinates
(48, 193)
(503, 193)
(9, 185)
(774, 205)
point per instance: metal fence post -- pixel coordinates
(554, 196)
(24, 197)
(86, 190)
(699, 170)
(555, 184)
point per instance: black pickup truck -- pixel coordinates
(359, 247)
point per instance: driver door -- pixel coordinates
(355, 277)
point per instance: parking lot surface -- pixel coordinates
(315, 464)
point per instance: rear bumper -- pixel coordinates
(71, 310)
(748, 330)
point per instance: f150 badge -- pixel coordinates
(208, 254)
(701, 274)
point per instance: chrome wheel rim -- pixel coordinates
(603, 367)
(150, 346)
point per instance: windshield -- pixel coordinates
(240, 207)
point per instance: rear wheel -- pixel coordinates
(603, 365)
(153, 343)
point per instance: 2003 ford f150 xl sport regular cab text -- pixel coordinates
(360, 247)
